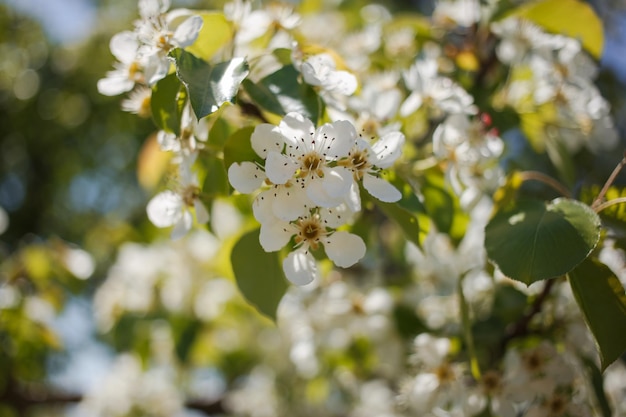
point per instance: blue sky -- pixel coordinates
(65, 21)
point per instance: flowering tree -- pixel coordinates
(370, 213)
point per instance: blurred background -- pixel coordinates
(69, 189)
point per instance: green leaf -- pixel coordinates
(165, 104)
(216, 33)
(259, 274)
(602, 300)
(597, 384)
(407, 220)
(281, 93)
(443, 207)
(573, 18)
(534, 240)
(216, 180)
(209, 86)
(238, 147)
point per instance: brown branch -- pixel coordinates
(521, 327)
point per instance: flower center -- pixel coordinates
(311, 163)
(491, 382)
(190, 194)
(310, 230)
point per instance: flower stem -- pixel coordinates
(541, 177)
(467, 331)
(598, 201)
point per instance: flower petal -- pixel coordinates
(165, 209)
(116, 82)
(266, 137)
(182, 226)
(279, 168)
(297, 130)
(381, 189)
(187, 32)
(344, 249)
(388, 149)
(412, 103)
(202, 214)
(300, 267)
(275, 235)
(335, 140)
(245, 177)
(262, 207)
(290, 202)
(124, 46)
(337, 181)
(316, 191)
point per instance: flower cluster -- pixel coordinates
(553, 74)
(311, 180)
(142, 53)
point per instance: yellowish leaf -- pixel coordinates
(216, 32)
(573, 18)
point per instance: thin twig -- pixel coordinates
(541, 177)
(608, 184)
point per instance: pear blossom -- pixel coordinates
(365, 162)
(286, 201)
(308, 155)
(129, 70)
(160, 31)
(321, 71)
(471, 150)
(438, 94)
(174, 208)
(309, 233)
(193, 133)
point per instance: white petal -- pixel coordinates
(167, 141)
(124, 46)
(353, 198)
(116, 82)
(262, 207)
(316, 191)
(187, 32)
(279, 168)
(202, 214)
(274, 236)
(300, 267)
(411, 104)
(182, 226)
(335, 140)
(341, 82)
(291, 202)
(266, 137)
(344, 249)
(245, 177)
(336, 216)
(150, 8)
(381, 189)
(156, 68)
(165, 209)
(297, 129)
(337, 181)
(388, 149)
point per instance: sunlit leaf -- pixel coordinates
(442, 205)
(601, 297)
(165, 104)
(573, 18)
(259, 274)
(216, 33)
(534, 240)
(281, 92)
(209, 86)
